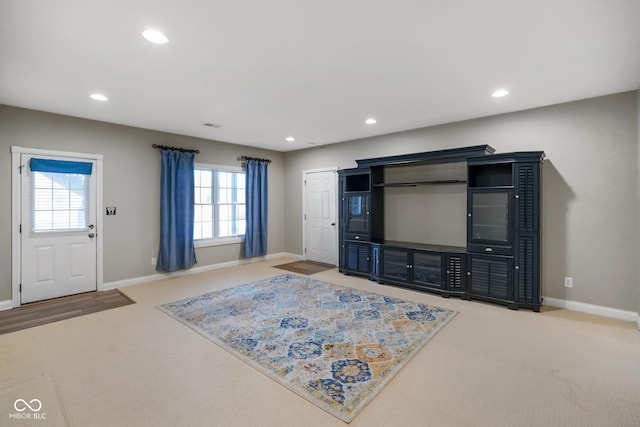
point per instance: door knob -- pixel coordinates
(333, 223)
(91, 235)
(91, 226)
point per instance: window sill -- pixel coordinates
(218, 242)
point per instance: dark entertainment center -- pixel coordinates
(501, 260)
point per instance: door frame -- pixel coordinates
(304, 205)
(16, 212)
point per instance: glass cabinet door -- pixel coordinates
(395, 264)
(490, 216)
(427, 269)
(358, 213)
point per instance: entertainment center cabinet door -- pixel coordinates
(527, 197)
(491, 277)
(427, 269)
(456, 277)
(490, 227)
(395, 264)
(357, 226)
(526, 274)
(357, 259)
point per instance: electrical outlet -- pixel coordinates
(153, 261)
(568, 282)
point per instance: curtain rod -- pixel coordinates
(182, 150)
(244, 158)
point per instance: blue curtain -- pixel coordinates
(176, 212)
(255, 238)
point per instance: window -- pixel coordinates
(60, 201)
(219, 203)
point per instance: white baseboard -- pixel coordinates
(6, 305)
(290, 255)
(195, 270)
(598, 310)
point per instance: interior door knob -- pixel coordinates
(91, 235)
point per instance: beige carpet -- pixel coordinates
(493, 367)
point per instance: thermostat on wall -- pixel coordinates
(111, 210)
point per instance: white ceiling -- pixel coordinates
(315, 70)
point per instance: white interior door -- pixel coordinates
(58, 244)
(321, 242)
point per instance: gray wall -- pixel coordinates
(637, 236)
(590, 217)
(131, 183)
(590, 230)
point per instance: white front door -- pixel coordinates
(321, 242)
(58, 218)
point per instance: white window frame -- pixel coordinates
(219, 241)
(86, 205)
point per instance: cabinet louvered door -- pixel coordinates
(455, 273)
(351, 256)
(526, 287)
(363, 259)
(491, 277)
(357, 258)
(527, 197)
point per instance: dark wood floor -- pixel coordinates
(43, 312)
(305, 267)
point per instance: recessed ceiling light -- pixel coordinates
(500, 93)
(98, 97)
(155, 36)
(370, 121)
(290, 139)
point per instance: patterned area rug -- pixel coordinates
(335, 346)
